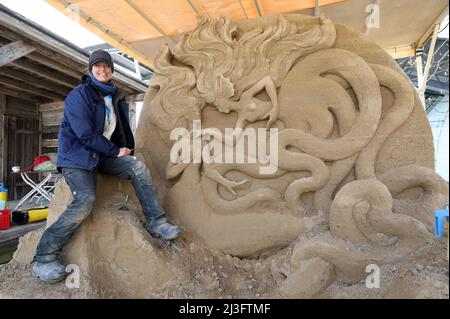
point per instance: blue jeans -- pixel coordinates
(82, 183)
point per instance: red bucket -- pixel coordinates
(5, 219)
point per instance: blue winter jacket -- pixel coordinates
(80, 138)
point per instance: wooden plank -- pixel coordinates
(50, 143)
(34, 81)
(17, 106)
(4, 149)
(10, 124)
(401, 52)
(49, 75)
(136, 97)
(53, 43)
(24, 87)
(49, 150)
(13, 36)
(49, 107)
(55, 65)
(423, 39)
(2, 136)
(22, 114)
(17, 231)
(52, 118)
(2, 103)
(19, 94)
(50, 129)
(13, 51)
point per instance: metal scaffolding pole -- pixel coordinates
(423, 84)
(419, 62)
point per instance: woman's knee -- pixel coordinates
(140, 170)
(85, 199)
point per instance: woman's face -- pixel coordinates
(102, 72)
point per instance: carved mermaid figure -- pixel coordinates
(221, 81)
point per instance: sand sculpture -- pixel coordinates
(354, 185)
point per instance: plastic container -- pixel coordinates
(5, 219)
(3, 197)
(22, 217)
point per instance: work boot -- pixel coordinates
(162, 229)
(49, 272)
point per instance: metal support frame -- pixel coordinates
(36, 188)
(422, 78)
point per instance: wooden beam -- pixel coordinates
(20, 113)
(56, 77)
(52, 118)
(401, 52)
(70, 51)
(19, 94)
(429, 59)
(13, 51)
(4, 140)
(2, 103)
(49, 75)
(50, 143)
(50, 129)
(136, 98)
(429, 32)
(17, 231)
(24, 87)
(36, 82)
(419, 72)
(55, 65)
(51, 107)
(45, 51)
(93, 25)
(3, 160)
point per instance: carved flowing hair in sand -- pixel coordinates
(336, 112)
(219, 67)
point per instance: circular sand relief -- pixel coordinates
(345, 113)
(353, 183)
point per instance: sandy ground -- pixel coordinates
(222, 276)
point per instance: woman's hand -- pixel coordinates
(124, 151)
(273, 117)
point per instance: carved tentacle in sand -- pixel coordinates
(433, 191)
(364, 230)
(394, 118)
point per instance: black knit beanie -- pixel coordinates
(100, 56)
